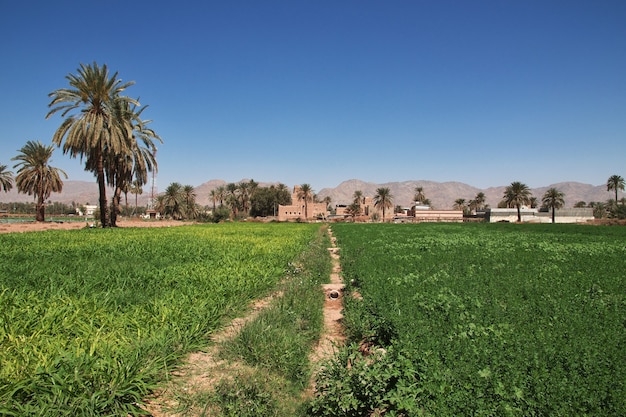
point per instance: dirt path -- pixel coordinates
(201, 371)
(333, 335)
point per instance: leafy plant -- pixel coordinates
(496, 319)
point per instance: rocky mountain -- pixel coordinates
(441, 194)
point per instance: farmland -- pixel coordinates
(92, 320)
(475, 319)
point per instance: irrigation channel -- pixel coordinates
(202, 371)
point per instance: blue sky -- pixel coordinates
(477, 91)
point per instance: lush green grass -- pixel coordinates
(483, 320)
(91, 320)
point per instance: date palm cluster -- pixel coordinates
(104, 128)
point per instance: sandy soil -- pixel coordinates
(42, 226)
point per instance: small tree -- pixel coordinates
(516, 195)
(383, 200)
(616, 183)
(553, 199)
(35, 176)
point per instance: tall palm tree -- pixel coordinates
(305, 193)
(553, 199)
(214, 196)
(232, 198)
(91, 128)
(480, 200)
(189, 197)
(137, 189)
(221, 194)
(516, 195)
(6, 178)
(615, 182)
(383, 200)
(244, 196)
(35, 176)
(138, 160)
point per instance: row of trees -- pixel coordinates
(101, 126)
(233, 200)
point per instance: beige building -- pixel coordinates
(296, 211)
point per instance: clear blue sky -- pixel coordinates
(478, 91)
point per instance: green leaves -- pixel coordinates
(502, 319)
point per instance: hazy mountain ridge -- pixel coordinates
(441, 194)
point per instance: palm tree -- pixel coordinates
(580, 204)
(419, 196)
(615, 182)
(357, 197)
(305, 193)
(383, 200)
(244, 196)
(172, 202)
(516, 195)
(138, 160)
(459, 204)
(35, 176)
(220, 194)
(6, 178)
(189, 197)
(480, 200)
(137, 189)
(553, 199)
(231, 198)
(327, 200)
(94, 131)
(214, 196)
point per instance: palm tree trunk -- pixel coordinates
(519, 214)
(115, 210)
(103, 191)
(553, 216)
(41, 209)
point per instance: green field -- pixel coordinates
(479, 319)
(91, 320)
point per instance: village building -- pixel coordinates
(533, 215)
(296, 211)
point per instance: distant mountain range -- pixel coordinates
(441, 194)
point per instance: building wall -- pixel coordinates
(574, 215)
(296, 210)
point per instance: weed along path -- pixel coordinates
(333, 334)
(201, 371)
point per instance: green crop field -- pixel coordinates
(479, 319)
(91, 320)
